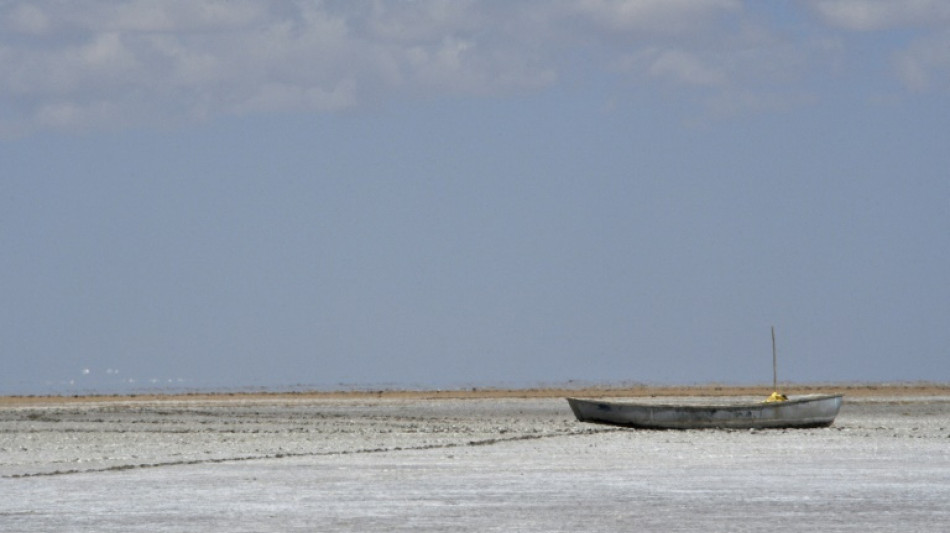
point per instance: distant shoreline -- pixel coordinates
(620, 391)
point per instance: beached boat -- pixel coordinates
(803, 412)
(775, 412)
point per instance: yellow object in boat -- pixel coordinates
(777, 397)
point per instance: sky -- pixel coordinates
(336, 194)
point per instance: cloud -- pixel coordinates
(869, 15)
(65, 64)
(275, 96)
(653, 16)
(683, 67)
(921, 65)
(925, 65)
(26, 19)
(88, 64)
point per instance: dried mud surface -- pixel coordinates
(95, 436)
(463, 461)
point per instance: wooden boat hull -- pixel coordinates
(804, 412)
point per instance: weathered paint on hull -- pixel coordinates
(805, 412)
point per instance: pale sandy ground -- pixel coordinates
(460, 461)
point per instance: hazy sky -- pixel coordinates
(479, 193)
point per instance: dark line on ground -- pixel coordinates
(286, 455)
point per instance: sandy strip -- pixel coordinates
(626, 391)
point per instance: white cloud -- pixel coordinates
(654, 16)
(190, 58)
(85, 64)
(747, 69)
(921, 65)
(412, 22)
(106, 52)
(143, 16)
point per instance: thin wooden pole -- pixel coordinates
(774, 363)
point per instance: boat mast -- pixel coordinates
(776, 395)
(774, 363)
